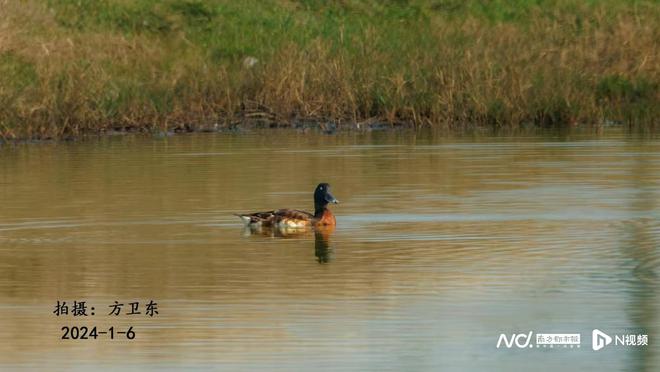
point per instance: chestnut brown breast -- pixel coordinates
(327, 219)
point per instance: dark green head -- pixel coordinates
(322, 196)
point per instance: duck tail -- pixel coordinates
(259, 218)
(246, 218)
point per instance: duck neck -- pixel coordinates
(319, 209)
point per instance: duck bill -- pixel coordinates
(331, 199)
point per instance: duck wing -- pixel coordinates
(260, 218)
(292, 217)
(286, 217)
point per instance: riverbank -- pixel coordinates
(69, 68)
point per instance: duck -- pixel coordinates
(294, 218)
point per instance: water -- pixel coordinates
(442, 244)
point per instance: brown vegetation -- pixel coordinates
(68, 69)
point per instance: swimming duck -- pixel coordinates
(293, 218)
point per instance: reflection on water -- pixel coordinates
(441, 245)
(322, 249)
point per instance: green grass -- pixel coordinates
(72, 67)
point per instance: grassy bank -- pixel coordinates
(69, 67)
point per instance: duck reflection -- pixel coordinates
(323, 251)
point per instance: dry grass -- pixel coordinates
(67, 71)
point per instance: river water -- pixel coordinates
(442, 244)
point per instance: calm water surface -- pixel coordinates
(441, 245)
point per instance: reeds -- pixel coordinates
(69, 68)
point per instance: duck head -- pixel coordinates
(323, 197)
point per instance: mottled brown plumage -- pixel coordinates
(296, 218)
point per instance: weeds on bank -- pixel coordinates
(71, 67)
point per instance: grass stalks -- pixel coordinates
(69, 68)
